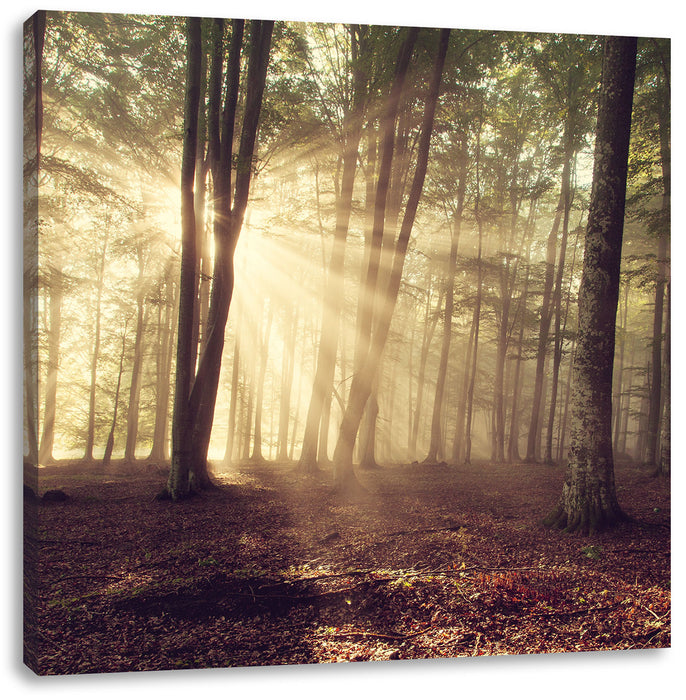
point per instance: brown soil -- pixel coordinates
(270, 568)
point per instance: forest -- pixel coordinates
(342, 342)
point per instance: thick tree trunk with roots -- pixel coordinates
(589, 502)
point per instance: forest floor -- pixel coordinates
(270, 568)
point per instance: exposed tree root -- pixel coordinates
(584, 521)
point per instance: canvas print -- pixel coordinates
(342, 342)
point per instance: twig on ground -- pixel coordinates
(379, 635)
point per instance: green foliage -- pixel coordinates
(592, 551)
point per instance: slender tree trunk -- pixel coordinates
(159, 450)
(474, 356)
(259, 398)
(617, 400)
(48, 435)
(109, 445)
(561, 455)
(95, 356)
(652, 457)
(344, 478)
(556, 306)
(333, 294)
(477, 306)
(233, 400)
(32, 166)
(436, 433)
(589, 502)
(368, 429)
(228, 221)
(458, 450)
(532, 451)
(430, 321)
(180, 478)
(136, 369)
(513, 442)
(626, 403)
(665, 467)
(287, 372)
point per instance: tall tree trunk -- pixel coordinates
(532, 451)
(31, 228)
(561, 455)
(652, 447)
(474, 355)
(109, 445)
(477, 305)
(430, 321)
(513, 441)
(179, 483)
(259, 397)
(287, 371)
(233, 402)
(228, 223)
(626, 404)
(136, 368)
(202, 257)
(436, 433)
(556, 304)
(95, 354)
(159, 450)
(190, 469)
(344, 478)
(665, 466)
(48, 435)
(617, 400)
(333, 293)
(457, 455)
(589, 502)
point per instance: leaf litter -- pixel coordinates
(270, 568)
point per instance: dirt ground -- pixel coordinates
(270, 568)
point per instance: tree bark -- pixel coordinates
(179, 483)
(589, 502)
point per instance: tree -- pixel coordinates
(180, 473)
(344, 479)
(196, 396)
(32, 166)
(333, 296)
(589, 502)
